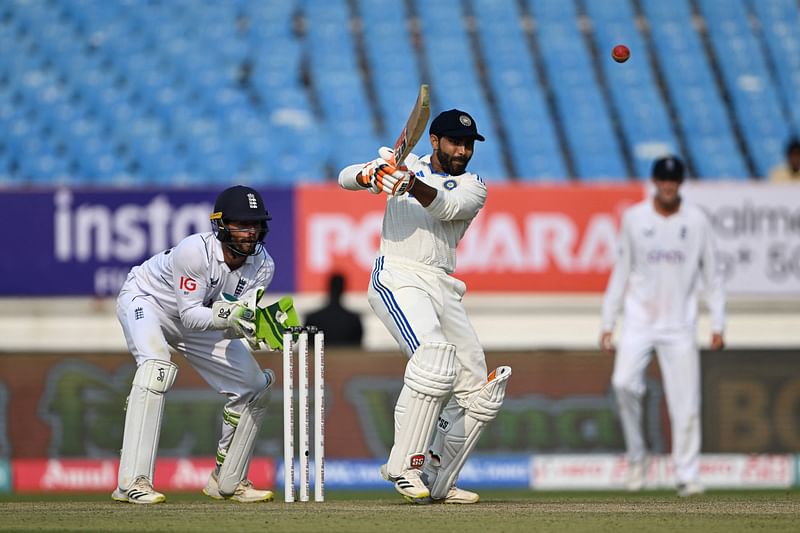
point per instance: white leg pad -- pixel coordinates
(247, 426)
(143, 415)
(428, 381)
(455, 439)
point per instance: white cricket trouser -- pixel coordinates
(420, 304)
(225, 364)
(679, 361)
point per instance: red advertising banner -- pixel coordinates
(553, 238)
(90, 475)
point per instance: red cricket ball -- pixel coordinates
(620, 53)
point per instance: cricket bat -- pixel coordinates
(415, 126)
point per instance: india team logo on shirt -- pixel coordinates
(450, 184)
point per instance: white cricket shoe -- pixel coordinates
(634, 479)
(690, 488)
(140, 492)
(459, 496)
(244, 493)
(409, 484)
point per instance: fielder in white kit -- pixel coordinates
(413, 293)
(198, 298)
(666, 249)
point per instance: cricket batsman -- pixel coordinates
(447, 398)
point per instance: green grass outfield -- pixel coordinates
(499, 511)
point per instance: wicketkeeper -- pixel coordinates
(203, 298)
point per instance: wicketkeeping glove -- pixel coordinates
(272, 321)
(383, 175)
(237, 317)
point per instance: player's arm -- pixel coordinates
(713, 280)
(617, 282)
(238, 316)
(379, 175)
(460, 203)
(190, 273)
(190, 268)
(424, 193)
(350, 176)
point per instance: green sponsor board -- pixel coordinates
(74, 406)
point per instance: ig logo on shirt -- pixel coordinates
(187, 284)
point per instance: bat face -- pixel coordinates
(415, 125)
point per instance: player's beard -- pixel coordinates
(454, 166)
(244, 247)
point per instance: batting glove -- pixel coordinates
(383, 175)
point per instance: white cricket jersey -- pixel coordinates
(187, 279)
(427, 235)
(660, 264)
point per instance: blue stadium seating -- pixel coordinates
(125, 92)
(334, 66)
(391, 57)
(779, 22)
(454, 80)
(595, 149)
(643, 115)
(532, 140)
(702, 114)
(748, 82)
